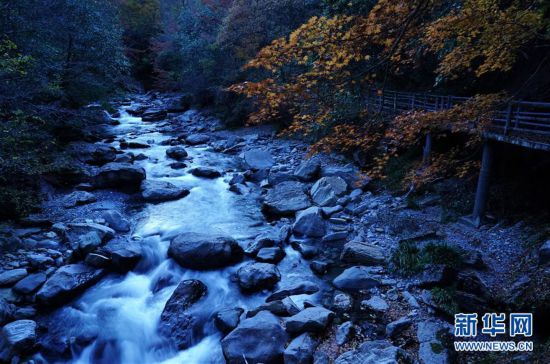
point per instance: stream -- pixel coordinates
(125, 310)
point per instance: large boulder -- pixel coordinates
(260, 339)
(176, 323)
(356, 252)
(356, 279)
(431, 335)
(78, 229)
(20, 336)
(124, 254)
(310, 222)
(308, 170)
(205, 172)
(154, 115)
(327, 190)
(300, 350)
(66, 283)
(202, 251)
(311, 319)
(119, 175)
(196, 139)
(12, 276)
(177, 153)
(285, 199)
(375, 352)
(159, 191)
(270, 255)
(95, 154)
(258, 276)
(349, 173)
(257, 159)
(30, 284)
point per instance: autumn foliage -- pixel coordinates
(315, 80)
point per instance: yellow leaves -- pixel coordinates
(486, 37)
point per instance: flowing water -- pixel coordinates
(122, 312)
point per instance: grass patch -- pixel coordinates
(410, 259)
(444, 299)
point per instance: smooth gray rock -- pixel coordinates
(300, 350)
(20, 335)
(327, 190)
(116, 221)
(258, 159)
(177, 153)
(355, 279)
(260, 242)
(260, 339)
(228, 319)
(270, 255)
(119, 175)
(176, 323)
(160, 191)
(10, 277)
(284, 308)
(310, 222)
(78, 198)
(88, 242)
(296, 289)
(308, 170)
(202, 251)
(349, 173)
(196, 139)
(375, 352)
(311, 319)
(76, 230)
(431, 349)
(66, 283)
(344, 332)
(95, 154)
(123, 254)
(258, 276)
(375, 303)
(285, 199)
(205, 172)
(30, 284)
(356, 252)
(395, 327)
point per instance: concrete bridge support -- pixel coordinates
(427, 149)
(482, 192)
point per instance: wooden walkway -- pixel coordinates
(522, 123)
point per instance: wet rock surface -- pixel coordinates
(230, 245)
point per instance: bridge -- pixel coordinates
(522, 123)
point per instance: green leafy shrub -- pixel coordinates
(410, 259)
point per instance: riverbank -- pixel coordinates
(186, 242)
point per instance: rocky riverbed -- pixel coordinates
(183, 242)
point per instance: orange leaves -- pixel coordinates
(485, 36)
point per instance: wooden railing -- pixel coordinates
(527, 118)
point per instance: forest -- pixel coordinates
(358, 134)
(306, 65)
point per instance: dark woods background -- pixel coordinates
(59, 55)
